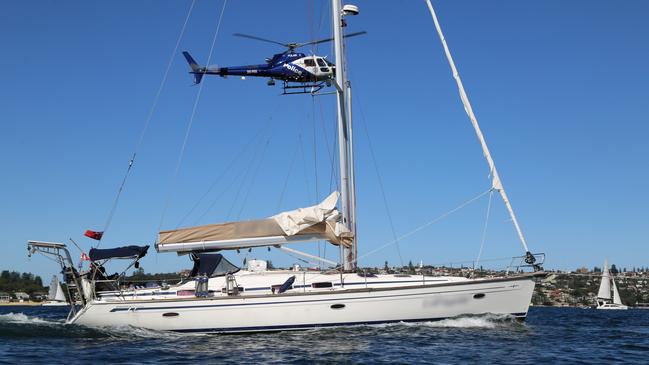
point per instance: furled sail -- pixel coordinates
(496, 183)
(605, 286)
(318, 222)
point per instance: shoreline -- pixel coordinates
(19, 304)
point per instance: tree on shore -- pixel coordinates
(12, 281)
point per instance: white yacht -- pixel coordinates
(219, 297)
(604, 293)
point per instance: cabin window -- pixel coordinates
(478, 296)
(321, 62)
(323, 284)
(309, 62)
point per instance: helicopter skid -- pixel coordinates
(303, 88)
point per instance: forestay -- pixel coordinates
(496, 183)
(314, 223)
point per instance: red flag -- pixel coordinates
(94, 235)
(84, 257)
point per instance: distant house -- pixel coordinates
(38, 296)
(21, 296)
(5, 297)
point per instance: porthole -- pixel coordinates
(170, 314)
(323, 284)
(478, 296)
(337, 306)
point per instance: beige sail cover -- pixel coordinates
(321, 220)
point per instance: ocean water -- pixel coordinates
(549, 336)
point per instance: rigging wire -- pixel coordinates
(484, 229)
(421, 227)
(304, 164)
(243, 181)
(315, 160)
(218, 196)
(380, 179)
(191, 121)
(147, 121)
(288, 175)
(222, 175)
(330, 152)
(254, 177)
(427, 224)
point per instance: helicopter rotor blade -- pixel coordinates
(260, 39)
(329, 39)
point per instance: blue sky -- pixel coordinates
(560, 88)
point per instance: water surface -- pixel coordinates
(550, 336)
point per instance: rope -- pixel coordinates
(147, 121)
(191, 121)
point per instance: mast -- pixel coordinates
(345, 149)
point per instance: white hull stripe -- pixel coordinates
(268, 287)
(131, 308)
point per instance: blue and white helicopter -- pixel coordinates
(300, 73)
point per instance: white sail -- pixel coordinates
(60, 296)
(605, 286)
(53, 288)
(616, 294)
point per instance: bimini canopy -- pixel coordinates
(211, 265)
(315, 223)
(126, 252)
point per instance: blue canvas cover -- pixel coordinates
(126, 252)
(211, 265)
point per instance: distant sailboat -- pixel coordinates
(55, 297)
(604, 294)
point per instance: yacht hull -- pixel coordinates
(292, 311)
(55, 304)
(611, 306)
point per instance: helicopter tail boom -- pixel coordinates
(197, 70)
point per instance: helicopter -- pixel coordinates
(298, 72)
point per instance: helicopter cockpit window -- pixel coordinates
(309, 62)
(321, 62)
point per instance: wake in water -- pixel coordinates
(489, 321)
(13, 325)
(482, 321)
(24, 319)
